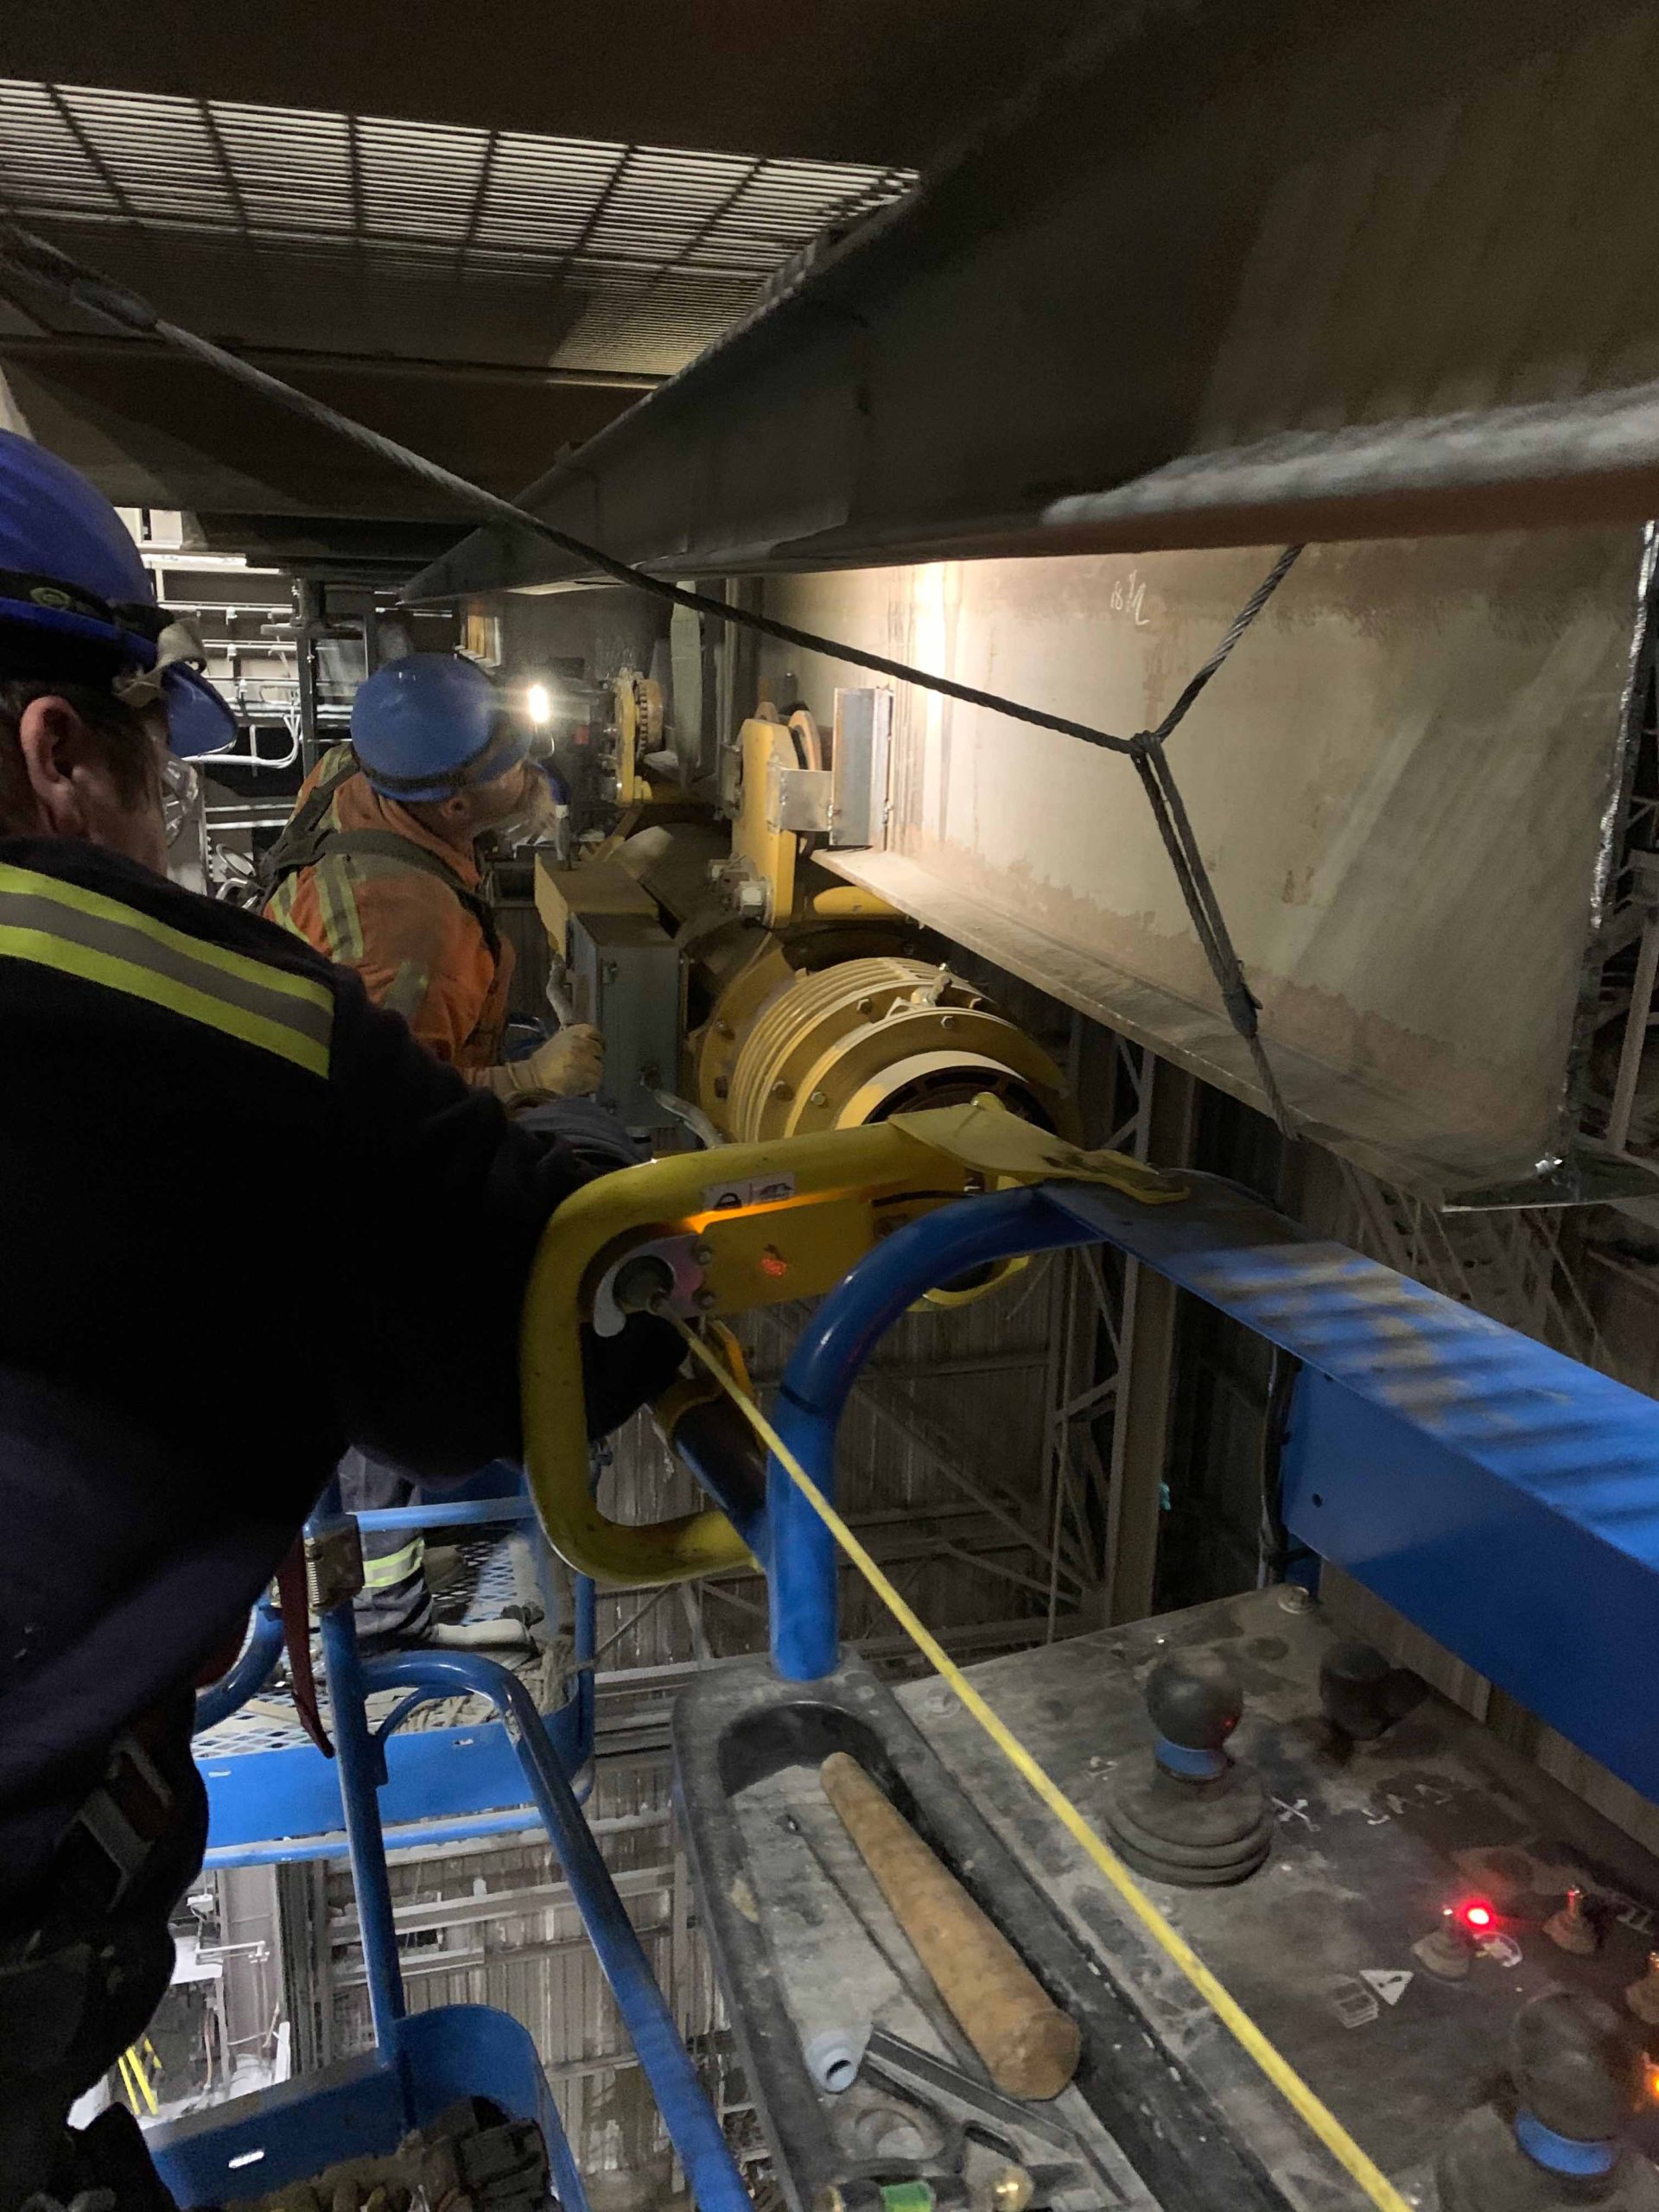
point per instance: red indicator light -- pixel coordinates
(774, 1263)
(1478, 1915)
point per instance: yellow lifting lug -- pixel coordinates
(721, 1231)
(985, 1136)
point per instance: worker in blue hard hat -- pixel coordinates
(75, 594)
(171, 1064)
(379, 869)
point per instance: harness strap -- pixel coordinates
(291, 850)
(295, 1593)
(308, 841)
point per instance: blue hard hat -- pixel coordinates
(427, 724)
(72, 588)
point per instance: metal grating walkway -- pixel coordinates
(663, 247)
(487, 1585)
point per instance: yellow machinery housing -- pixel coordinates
(753, 1225)
(802, 1004)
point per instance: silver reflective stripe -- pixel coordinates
(21, 911)
(407, 993)
(66, 926)
(381, 1574)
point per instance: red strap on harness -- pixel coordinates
(296, 1596)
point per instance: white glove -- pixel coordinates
(569, 1065)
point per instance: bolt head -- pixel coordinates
(819, 1098)
(781, 1090)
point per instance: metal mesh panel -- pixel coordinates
(661, 246)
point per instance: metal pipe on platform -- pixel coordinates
(466, 1512)
(829, 1357)
(362, 1771)
(251, 1670)
(715, 2182)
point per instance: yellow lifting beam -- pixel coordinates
(714, 1232)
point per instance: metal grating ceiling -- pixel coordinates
(664, 247)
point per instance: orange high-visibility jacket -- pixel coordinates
(406, 923)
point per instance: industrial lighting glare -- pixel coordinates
(1477, 1915)
(539, 704)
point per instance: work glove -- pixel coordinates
(569, 1065)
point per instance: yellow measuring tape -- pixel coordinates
(1315, 2116)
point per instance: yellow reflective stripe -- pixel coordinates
(245, 969)
(118, 975)
(381, 1574)
(337, 904)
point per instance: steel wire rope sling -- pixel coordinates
(39, 262)
(1313, 2112)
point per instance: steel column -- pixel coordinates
(1165, 1128)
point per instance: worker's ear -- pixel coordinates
(456, 810)
(77, 790)
(60, 754)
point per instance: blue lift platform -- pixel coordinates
(1478, 1481)
(388, 1789)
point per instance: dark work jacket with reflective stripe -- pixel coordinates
(223, 1257)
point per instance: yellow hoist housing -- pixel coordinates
(804, 1004)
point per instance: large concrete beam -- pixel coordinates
(1235, 275)
(152, 430)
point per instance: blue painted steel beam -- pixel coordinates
(466, 1512)
(1519, 1527)
(426, 1835)
(1501, 1495)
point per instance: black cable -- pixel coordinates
(1240, 623)
(1243, 1007)
(34, 257)
(1174, 827)
(37, 260)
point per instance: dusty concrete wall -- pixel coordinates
(1399, 784)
